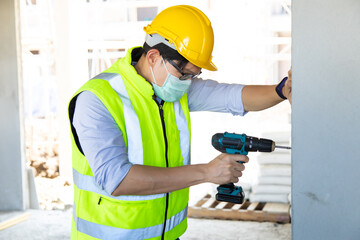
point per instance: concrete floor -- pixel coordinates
(55, 225)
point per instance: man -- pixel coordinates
(131, 132)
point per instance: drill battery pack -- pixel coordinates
(230, 193)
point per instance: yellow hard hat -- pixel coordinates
(189, 30)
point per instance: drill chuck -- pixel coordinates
(254, 144)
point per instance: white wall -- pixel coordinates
(71, 67)
(12, 150)
(325, 119)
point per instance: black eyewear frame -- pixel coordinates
(184, 76)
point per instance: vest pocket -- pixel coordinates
(128, 214)
(110, 201)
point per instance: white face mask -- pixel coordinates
(172, 89)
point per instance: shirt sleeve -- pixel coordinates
(101, 141)
(209, 95)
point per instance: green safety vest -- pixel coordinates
(153, 137)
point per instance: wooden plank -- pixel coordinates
(229, 205)
(207, 196)
(260, 206)
(210, 202)
(276, 207)
(221, 205)
(202, 201)
(14, 220)
(236, 206)
(245, 205)
(252, 206)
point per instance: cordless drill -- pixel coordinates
(238, 144)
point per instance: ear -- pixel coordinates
(152, 56)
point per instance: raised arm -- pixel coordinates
(260, 97)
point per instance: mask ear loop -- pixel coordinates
(152, 73)
(163, 61)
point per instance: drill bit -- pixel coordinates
(283, 147)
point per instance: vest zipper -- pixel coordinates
(161, 104)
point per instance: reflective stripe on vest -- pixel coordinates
(88, 183)
(135, 151)
(184, 132)
(108, 232)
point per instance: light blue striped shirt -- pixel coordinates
(102, 141)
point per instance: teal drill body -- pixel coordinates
(233, 143)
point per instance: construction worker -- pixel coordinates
(131, 131)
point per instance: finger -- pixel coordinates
(242, 167)
(289, 98)
(246, 159)
(239, 167)
(288, 83)
(237, 174)
(241, 158)
(222, 156)
(229, 157)
(234, 180)
(238, 157)
(288, 86)
(235, 157)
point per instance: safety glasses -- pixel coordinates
(184, 76)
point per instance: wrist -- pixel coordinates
(204, 170)
(280, 87)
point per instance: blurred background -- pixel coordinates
(65, 43)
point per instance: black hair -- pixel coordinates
(167, 53)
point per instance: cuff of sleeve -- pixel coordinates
(236, 107)
(116, 177)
